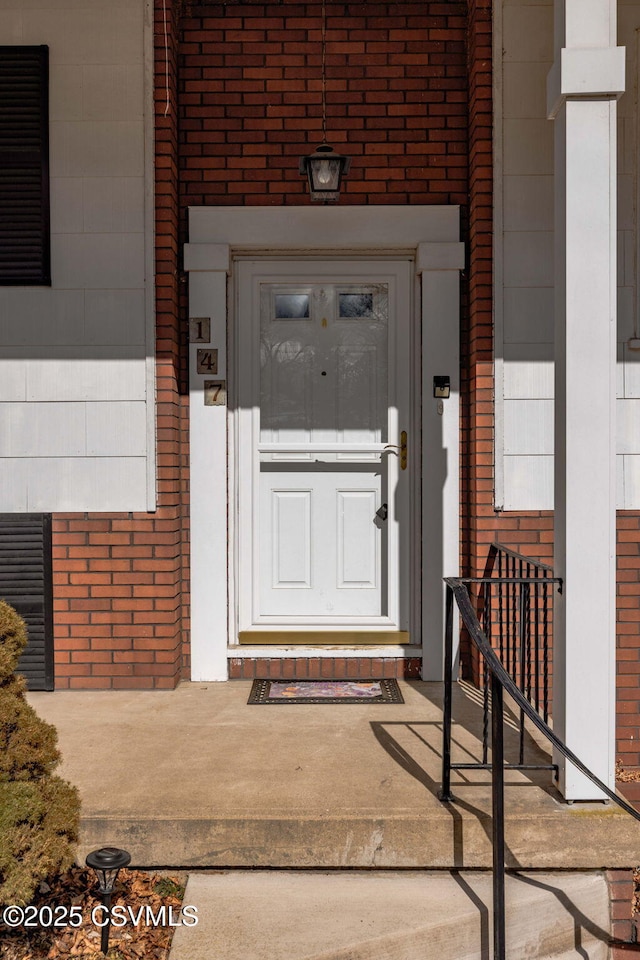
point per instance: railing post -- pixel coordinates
(497, 796)
(445, 788)
(524, 656)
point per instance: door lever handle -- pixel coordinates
(400, 451)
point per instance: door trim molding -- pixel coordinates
(214, 232)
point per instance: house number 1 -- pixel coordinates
(200, 329)
(207, 361)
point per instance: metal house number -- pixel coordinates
(215, 393)
(200, 329)
(207, 361)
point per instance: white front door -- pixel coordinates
(324, 493)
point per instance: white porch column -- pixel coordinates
(584, 84)
(208, 265)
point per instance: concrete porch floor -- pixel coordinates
(195, 777)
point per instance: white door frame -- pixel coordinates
(431, 235)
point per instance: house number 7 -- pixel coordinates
(207, 361)
(215, 393)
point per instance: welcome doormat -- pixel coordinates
(325, 691)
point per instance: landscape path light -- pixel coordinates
(107, 863)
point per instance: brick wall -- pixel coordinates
(622, 898)
(628, 638)
(396, 103)
(119, 578)
(396, 100)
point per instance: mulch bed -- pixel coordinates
(78, 888)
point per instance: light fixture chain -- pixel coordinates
(324, 71)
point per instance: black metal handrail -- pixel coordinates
(501, 681)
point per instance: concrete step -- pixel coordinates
(384, 915)
(195, 778)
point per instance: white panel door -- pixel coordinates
(324, 392)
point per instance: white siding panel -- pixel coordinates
(65, 92)
(35, 316)
(528, 427)
(632, 376)
(13, 380)
(13, 485)
(97, 205)
(528, 147)
(55, 4)
(625, 313)
(92, 35)
(620, 371)
(87, 378)
(98, 483)
(626, 258)
(528, 259)
(629, 467)
(625, 202)
(528, 33)
(66, 205)
(75, 374)
(528, 483)
(528, 371)
(621, 471)
(116, 429)
(525, 90)
(528, 315)
(113, 205)
(114, 317)
(626, 145)
(97, 149)
(98, 260)
(11, 28)
(628, 426)
(528, 203)
(111, 92)
(43, 429)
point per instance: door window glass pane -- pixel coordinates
(355, 305)
(291, 306)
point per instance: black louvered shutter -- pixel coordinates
(26, 583)
(24, 166)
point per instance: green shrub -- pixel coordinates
(39, 812)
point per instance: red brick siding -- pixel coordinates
(325, 668)
(622, 891)
(628, 639)
(396, 100)
(119, 579)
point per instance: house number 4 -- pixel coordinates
(207, 361)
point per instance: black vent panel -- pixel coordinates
(24, 166)
(26, 583)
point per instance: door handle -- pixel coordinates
(400, 451)
(382, 512)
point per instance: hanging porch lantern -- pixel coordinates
(324, 170)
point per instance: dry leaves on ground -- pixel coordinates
(626, 776)
(134, 889)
